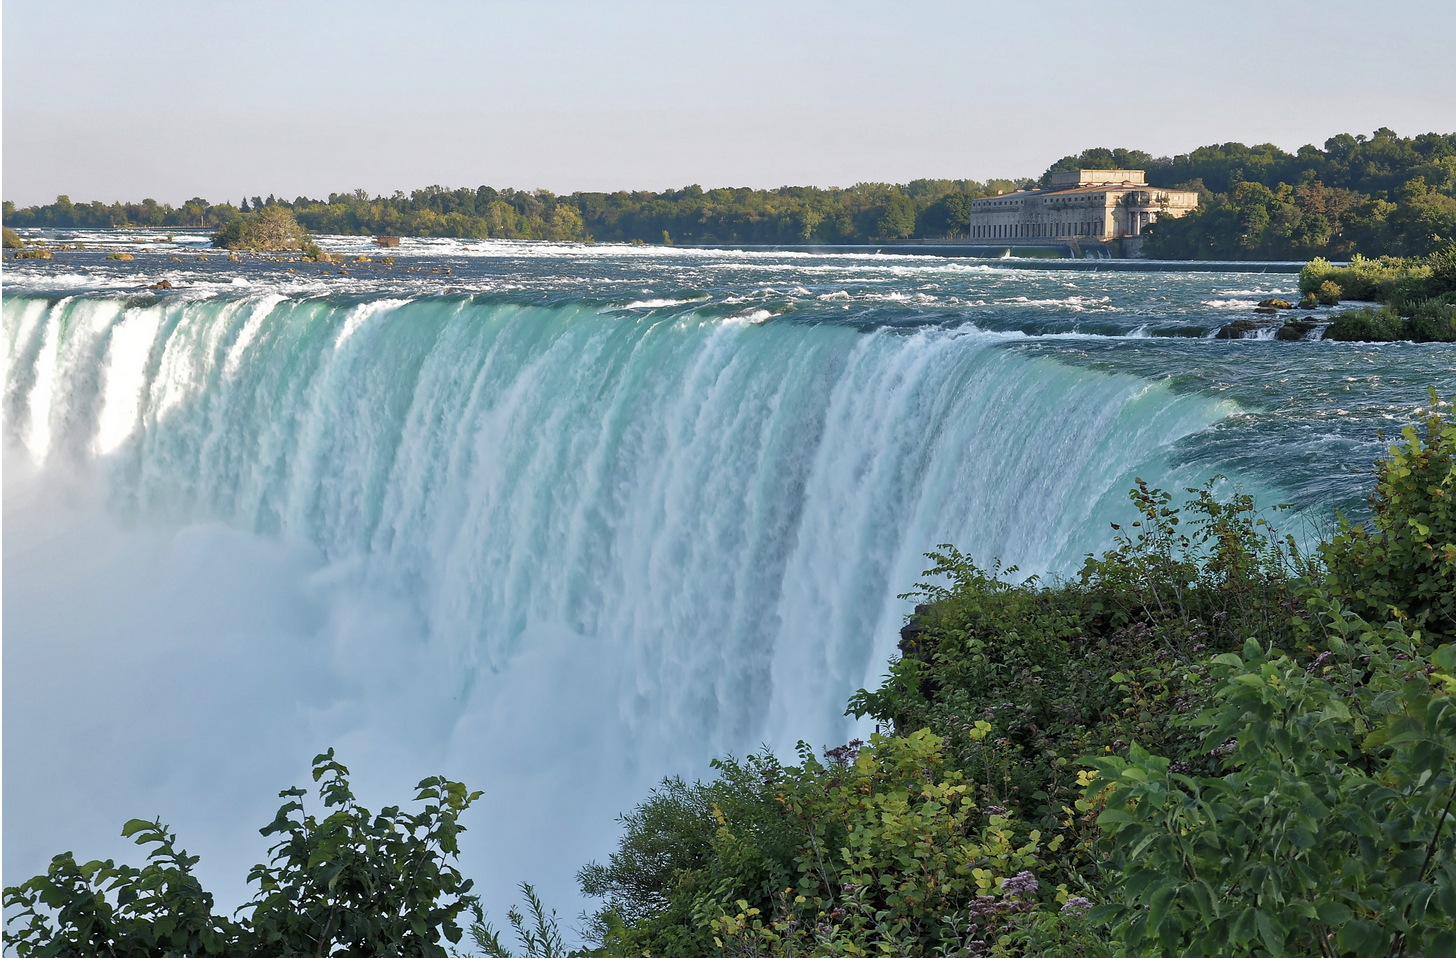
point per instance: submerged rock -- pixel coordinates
(1296, 329)
(1240, 328)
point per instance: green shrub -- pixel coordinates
(1363, 279)
(1435, 321)
(1401, 564)
(1379, 325)
(1327, 832)
(12, 239)
(350, 883)
(1329, 293)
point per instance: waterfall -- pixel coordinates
(545, 546)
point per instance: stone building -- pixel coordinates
(1087, 206)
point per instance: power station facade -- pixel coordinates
(1085, 206)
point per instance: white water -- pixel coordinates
(555, 552)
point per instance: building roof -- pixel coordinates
(1083, 191)
(1096, 177)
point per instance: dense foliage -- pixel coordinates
(691, 215)
(1419, 293)
(1376, 195)
(271, 228)
(1372, 195)
(349, 883)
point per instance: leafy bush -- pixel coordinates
(1327, 833)
(350, 883)
(1435, 320)
(1379, 325)
(1403, 283)
(1401, 564)
(1363, 278)
(1058, 671)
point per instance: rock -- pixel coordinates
(234, 258)
(911, 642)
(1310, 301)
(1265, 309)
(386, 241)
(33, 254)
(161, 284)
(1237, 329)
(1295, 329)
(126, 256)
(1275, 304)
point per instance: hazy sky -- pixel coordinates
(225, 98)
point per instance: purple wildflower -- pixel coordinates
(1076, 906)
(1021, 885)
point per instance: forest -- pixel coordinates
(1373, 195)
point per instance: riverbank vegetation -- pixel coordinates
(1376, 195)
(1208, 742)
(1418, 296)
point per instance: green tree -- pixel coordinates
(896, 218)
(1401, 563)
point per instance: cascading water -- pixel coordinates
(554, 546)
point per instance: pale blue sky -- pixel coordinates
(222, 98)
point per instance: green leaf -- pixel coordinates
(1271, 935)
(1158, 907)
(1440, 943)
(136, 825)
(1363, 938)
(1445, 657)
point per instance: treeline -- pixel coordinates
(1382, 194)
(923, 208)
(1377, 195)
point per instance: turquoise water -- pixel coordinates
(561, 520)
